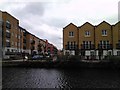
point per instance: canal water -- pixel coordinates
(60, 78)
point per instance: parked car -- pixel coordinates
(37, 57)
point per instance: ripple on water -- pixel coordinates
(55, 78)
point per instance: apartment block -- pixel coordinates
(92, 42)
(10, 32)
(50, 49)
(16, 40)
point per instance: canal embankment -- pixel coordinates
(60, 64)
(64, 62)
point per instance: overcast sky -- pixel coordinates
(47, 18)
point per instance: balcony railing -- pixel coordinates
(8, 35)
(24, 40)
(32, 47)
(24, 33)
(118, 46)
(24, 47)
(71, 47)
(87, 46)
(105, 46)
(8, 44)
(8, 25)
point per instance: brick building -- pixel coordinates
(92, 41)
(17, 40)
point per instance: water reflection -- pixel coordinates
(59, 78)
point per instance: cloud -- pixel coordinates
(28, 10)
(35, 8)
(55, 22)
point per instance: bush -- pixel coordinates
(74, 58)
(114, 59)
(63, 57)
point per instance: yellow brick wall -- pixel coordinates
(70, 28)
(98, 33)
(82, 37)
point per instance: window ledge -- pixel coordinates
(87, 35)
(71, 36)
(104, 35)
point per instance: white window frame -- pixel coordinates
(71, 34)
(7, 21)
(104, 32)
(7, 40)
(7, 30)
(87, 33)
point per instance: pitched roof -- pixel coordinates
(85, 24)
(103, 22)
(69, 25)
(117, 23)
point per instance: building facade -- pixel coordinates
(10, 32)
(92, 42)
(16, 40)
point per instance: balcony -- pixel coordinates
(87, 46)
(8, 35)
(8, 25)
(24, 34)
(32, 47)
(24, 40)
(71, 47)
(105, 47)
(8, 44)
(118, 46)
(24, 47)
(33, 42)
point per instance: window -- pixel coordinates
(104, 44)
(71, 34)
(8, 25)
(87, 33)
(7, 44)
(118, 53)
(92, 53)
(87, 44)
(7, 40)
(18, 36)
(7, 21)
(7, 31)
(104, 32)
(109, 53)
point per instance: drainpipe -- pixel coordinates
(94, 41)
(112, 38)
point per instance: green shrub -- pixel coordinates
(74, 58)
(114, 59)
